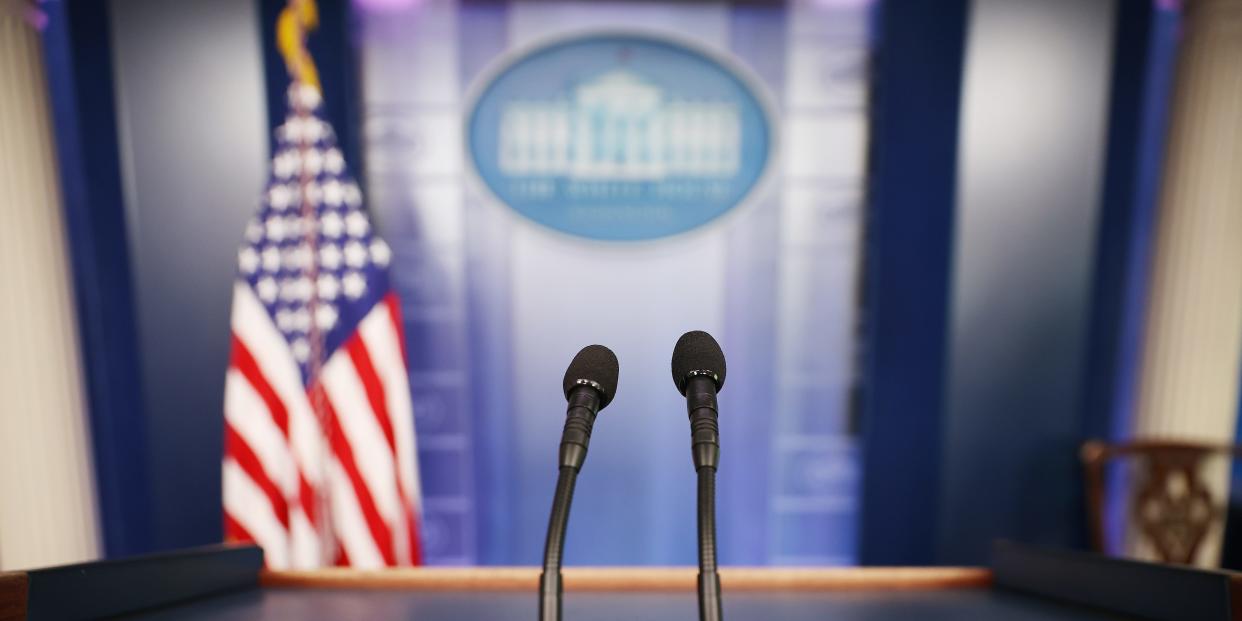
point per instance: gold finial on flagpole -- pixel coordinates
(294, 22)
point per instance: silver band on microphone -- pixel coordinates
(701, 373)
(590, 383)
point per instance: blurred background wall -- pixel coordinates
(928, 306)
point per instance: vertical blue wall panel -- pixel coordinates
(1032, 153)
(193, 135)
(909, 245)
(1120, 217)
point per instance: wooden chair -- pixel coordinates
(1170, 503)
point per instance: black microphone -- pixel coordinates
(590, 383)
(699, 373)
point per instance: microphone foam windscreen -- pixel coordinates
(697, 351)
(594, 363)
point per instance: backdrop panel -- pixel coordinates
(496, 304)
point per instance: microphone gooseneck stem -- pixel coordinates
(709, 580)
(575, 439)
(553, 550)
(705, 449)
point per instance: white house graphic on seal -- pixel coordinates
(618, 127)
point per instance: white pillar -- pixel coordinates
(47, 501)
(1193, 336)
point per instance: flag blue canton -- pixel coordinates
(310, 253)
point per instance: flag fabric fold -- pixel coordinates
(319, 458)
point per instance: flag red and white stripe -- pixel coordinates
(320, 464)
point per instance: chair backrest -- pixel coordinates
(1170, 503)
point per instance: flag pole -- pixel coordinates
(293, 24)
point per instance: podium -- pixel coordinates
(225, 582)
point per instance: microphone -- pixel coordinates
(699, 373)
(589, 385)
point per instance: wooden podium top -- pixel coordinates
(650, 579)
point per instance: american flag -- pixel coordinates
(319, 460)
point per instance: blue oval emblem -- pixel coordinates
(619, 136)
